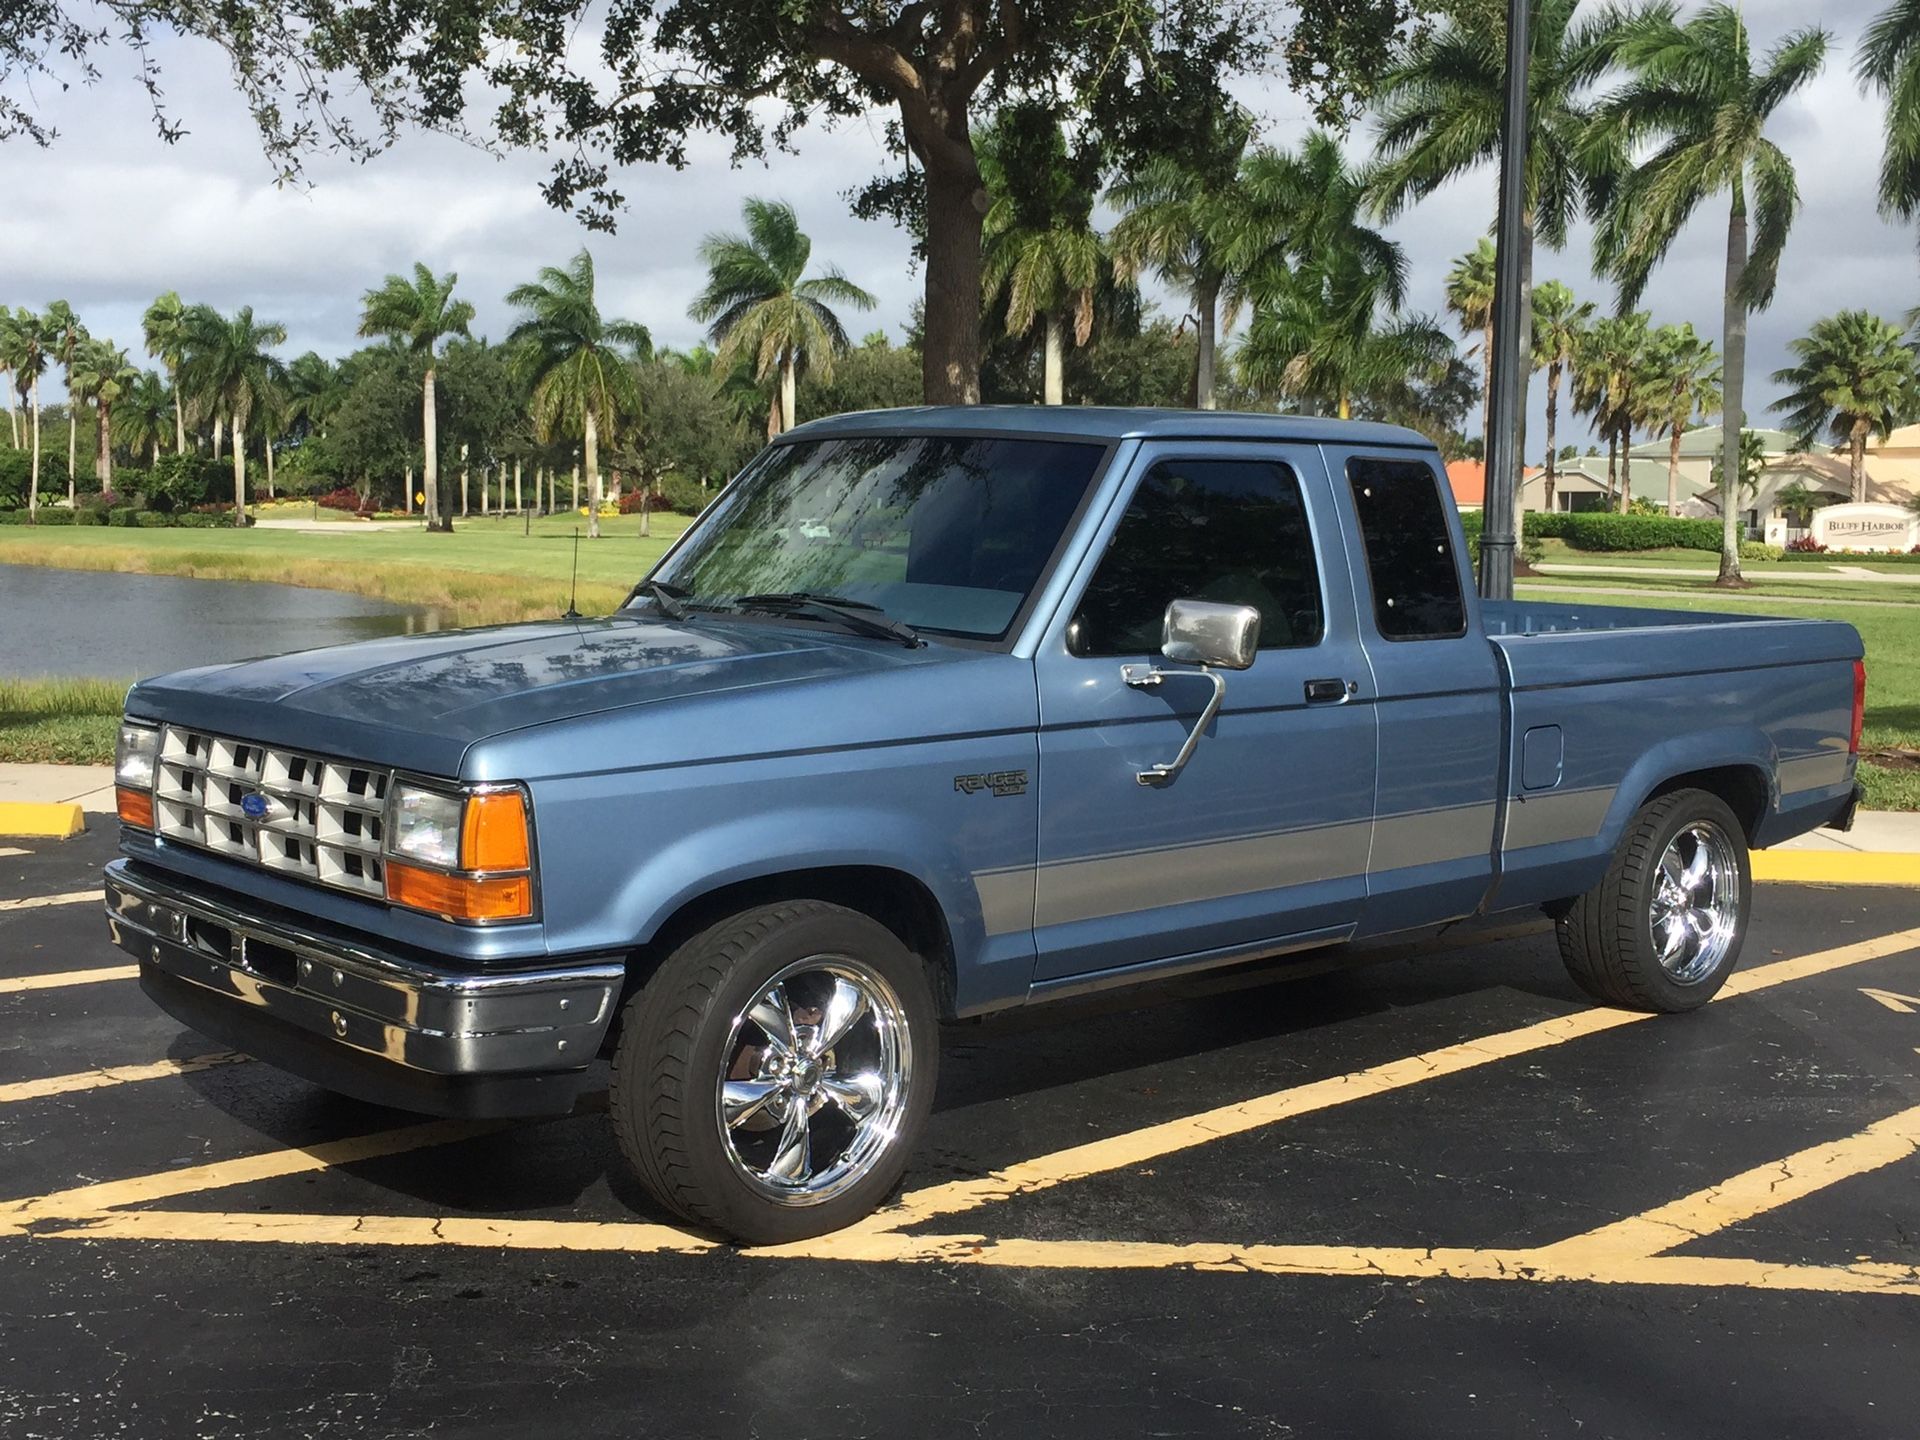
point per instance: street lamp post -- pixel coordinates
(1510, 363)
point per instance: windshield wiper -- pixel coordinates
(859, 615)
(667, 597)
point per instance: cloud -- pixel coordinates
(115, 217)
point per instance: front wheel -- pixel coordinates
(772, 1077)
(1663, 928)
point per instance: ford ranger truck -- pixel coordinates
(932, 713)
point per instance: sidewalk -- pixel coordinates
(1882, 832)
(1814, 574)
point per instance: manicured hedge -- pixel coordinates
(1842, 557)
(1602, 531)
(48, 516)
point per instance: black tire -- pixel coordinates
(1607, 935)
(679, 1039)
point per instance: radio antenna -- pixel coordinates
(573, 589)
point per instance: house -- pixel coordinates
(1468, 480)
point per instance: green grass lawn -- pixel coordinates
(1558, 552)
(61, 722)
(1892, 638)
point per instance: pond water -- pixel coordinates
(114, 626)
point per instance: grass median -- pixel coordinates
(60, 722)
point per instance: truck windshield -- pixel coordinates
(947, 533)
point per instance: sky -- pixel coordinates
(110, 216)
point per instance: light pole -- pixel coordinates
(1509, 365)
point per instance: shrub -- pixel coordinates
(48, 516)
(1806, 545)
(90, 515)
(198, 520)
(348, 499)
(1759, 550)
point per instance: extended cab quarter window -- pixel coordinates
(1232, 531)
(1410, 568)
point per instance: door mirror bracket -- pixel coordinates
(1203, 633)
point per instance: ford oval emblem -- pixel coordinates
(254, 805)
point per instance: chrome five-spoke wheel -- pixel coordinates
(1695, 909)
(814, 1080)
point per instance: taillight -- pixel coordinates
(1859, 704)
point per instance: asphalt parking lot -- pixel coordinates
(1439, 1195)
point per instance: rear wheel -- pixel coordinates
(1663, 928)
(773, 1075)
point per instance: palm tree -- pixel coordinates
(1695, 95)
(314, 391)
(1682, 380)
(68, 335)
(25, 344)
(1889, 62)
(1202, 230)
(1855, 377)
(1470, 285)
(145, 416)
(1038, 246)
(1559, 325)
(165, 328)
(578, 364)
(1441, 115)
(228, 365)
(1608, 369)
(419, 315)
(757, 305)
(102, 376)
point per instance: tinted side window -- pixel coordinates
(1410, 568)
(1233, 531)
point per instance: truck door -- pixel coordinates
(1438, 696)
(1262, 837)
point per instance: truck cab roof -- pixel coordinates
(1093, 422)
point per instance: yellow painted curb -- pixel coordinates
(1837, 867)
(41, 820)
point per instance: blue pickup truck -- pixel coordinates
(935, 712)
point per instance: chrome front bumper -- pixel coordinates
(380, 1026)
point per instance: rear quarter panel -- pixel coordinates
(1645, 696)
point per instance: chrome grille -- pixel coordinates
(324, 820)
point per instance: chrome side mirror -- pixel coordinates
(1201, 632)
(1214, 637)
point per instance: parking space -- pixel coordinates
(1440, 1194)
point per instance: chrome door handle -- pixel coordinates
(1330, 692)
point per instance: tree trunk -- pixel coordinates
(1613, 467)
(33, 474)
(266, 447)
(1857, 454)
(789, 386)
(1626, 469)
(13, 420)
(1553, 421)
(591, 446)
(179, 419)
(1344, 406)
(516, 485)
(1207, 300)
(218, 421)
(956, 206)
(1053, 368)
(646, 506)
(1733, 351)
(1673, 470)
(409, 495)
(103, 460)
(239, 474)
(465, 482)
(73, 433)
(574, 503)
(430, 450)
(1523, 362)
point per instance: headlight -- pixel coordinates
(464, 856)
(133, 762)
(426, 826)
(134, 756)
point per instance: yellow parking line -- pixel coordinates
(112, 1075)
(1748, 1194)
(635, 1237)
(272, 1165)
(15, 984)
(39, 902)
(1138, 1147)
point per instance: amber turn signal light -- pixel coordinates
(460, 897)
(135, 807)
(493, 834)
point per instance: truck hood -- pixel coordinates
(419, 701)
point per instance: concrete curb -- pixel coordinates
(41, 820)
(1837, 867)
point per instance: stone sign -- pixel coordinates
(1866, 527)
